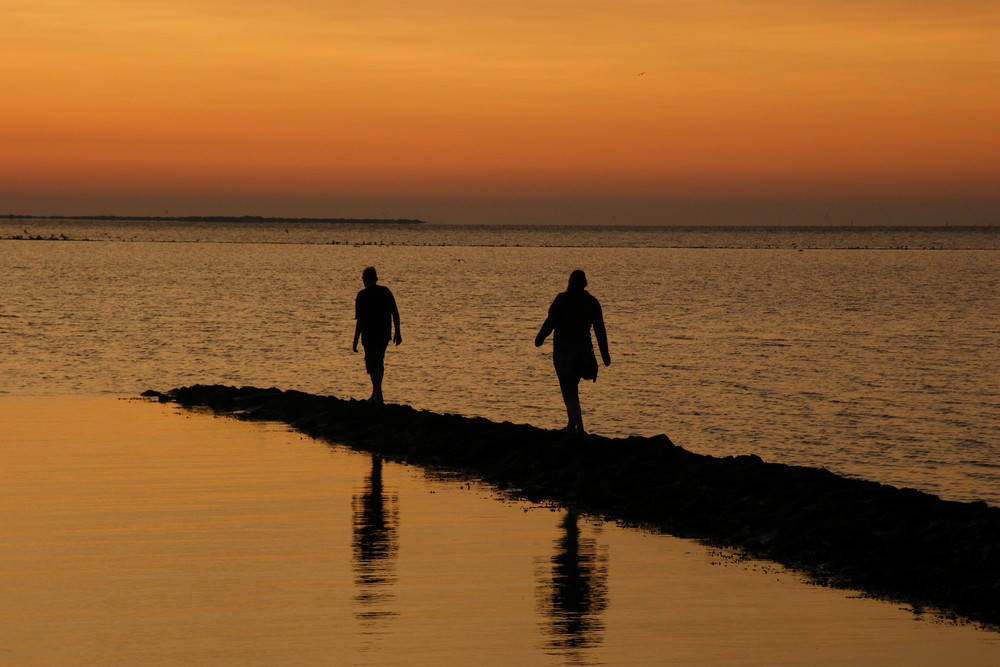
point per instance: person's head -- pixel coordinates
(577, 280)
(369, 277)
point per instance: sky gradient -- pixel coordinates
(637, 111)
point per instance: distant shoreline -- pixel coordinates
(213, 218)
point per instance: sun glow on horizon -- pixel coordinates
(638, 99)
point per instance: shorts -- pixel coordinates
(374, 355)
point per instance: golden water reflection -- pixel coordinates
(135, 533)
(375, 548)
(573, 591)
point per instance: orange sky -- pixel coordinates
(315, 107)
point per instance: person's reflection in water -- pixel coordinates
(376, 542)
(575, 592)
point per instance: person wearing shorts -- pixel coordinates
(376, 314)
(571, 316)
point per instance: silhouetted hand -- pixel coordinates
(354, 348)
(398, 339)
(607, 359)
(539, 339)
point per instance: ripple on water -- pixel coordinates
(725, 350)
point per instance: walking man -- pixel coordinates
(376, 314)
(572, 315)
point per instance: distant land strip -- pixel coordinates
(896, 544)
(212, 218)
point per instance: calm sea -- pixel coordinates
(138, 533)
(868, 351)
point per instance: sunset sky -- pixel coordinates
(722, 111)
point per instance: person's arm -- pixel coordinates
(601, 333)
(547, 326)
(395, 320)
(357, 323)
(544, 332)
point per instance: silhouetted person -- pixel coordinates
(572, 315)
(376, 314)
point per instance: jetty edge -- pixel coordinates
(892, 543)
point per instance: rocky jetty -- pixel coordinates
(892, 543)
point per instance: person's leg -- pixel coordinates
(376, 376)
(570, 388)
(576, 413)
(375, 365)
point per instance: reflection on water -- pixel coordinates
(573, 593)
(132, 534)
(376, 543)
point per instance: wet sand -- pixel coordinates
(891, 543)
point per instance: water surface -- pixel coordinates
(135, 533)
(876, 362)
